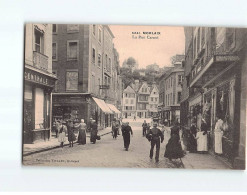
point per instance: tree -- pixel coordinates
(131, 61)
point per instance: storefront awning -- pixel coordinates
(113, 108)
(102, 105)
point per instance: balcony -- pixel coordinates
(209, 66)
(40, 61)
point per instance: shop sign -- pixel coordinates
(36, 78)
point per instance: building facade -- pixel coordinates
(153, 101)
(83, 60)
(39, 83)
(129, 103)
(215, 85)
(170, 84)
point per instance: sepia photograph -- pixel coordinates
(133, 96)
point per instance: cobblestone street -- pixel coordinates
(107, 152)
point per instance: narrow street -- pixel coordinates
(107, 152)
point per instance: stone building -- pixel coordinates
(39, 82)
(170, 84)
(83, 60)
(216, 86)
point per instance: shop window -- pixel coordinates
(39, 108)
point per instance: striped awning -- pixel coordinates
(102, 105)
(113, 108)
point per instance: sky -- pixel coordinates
(170, 42)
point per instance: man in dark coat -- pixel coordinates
(155, 136)
(144, 128)
(94, 131)
(126, 131)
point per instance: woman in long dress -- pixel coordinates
(202, 145)
(192, 143)
(94, 131)
(167, 134)
(174, 147)
(62, 129)
(82, 132)
(218, 134)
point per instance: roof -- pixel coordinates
(129, 89)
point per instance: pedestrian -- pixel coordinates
(82, 132)
(202, 145)
(148, 128)
(202, 138)
(155, 136)
(144, 128)
(218, 134)
(62, 129)
(126, 131)
(192, 143)
(134, 118)
(114, 129)
(118, 126)
(89, 125)
(71, 135)
(167, 133)
(94, 131)
(174, 147)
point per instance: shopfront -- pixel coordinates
(37, 106)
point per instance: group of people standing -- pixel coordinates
(198, 137)
(63, 128)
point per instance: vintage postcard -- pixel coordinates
(134, 96)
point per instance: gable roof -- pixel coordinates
(129, 89)
(141, 86)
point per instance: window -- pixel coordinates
(54, 51)
(100, 34)
(39, 41)
(99, 60)
(72, 50)
(105, 65)
(203, 36)
(109, 65)
(99, 86)
(54, 28)
(71, 28)
(180, 79)
(230, 37)
(126, 101)
(94, 29)
(71, 80)
(93, 56)
(156, 99)
(171, 81)
(198, 40)
(132, 101)
(152, 99)
(179, 97)
(151, 106)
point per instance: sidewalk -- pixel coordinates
(202, 161)
(53, 143)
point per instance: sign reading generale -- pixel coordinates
(38, 78)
